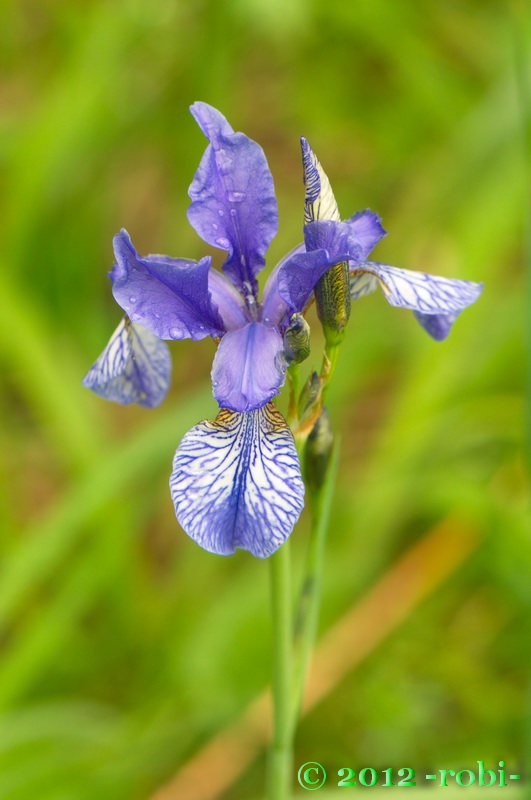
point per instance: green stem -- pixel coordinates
(522, 38)
(281, 753)
(332, 353)
(310, 599)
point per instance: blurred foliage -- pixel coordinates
(124, 647)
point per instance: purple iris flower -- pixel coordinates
(236, 482)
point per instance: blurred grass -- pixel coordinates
(125, 648)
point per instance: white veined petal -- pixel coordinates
(427, 294)
(362, 285)
(135, 367)
(319, 202)
(236, 482)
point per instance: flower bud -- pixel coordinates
(332, 297)
(317, 452)
(332, 292)
(297, 340)
(310, 393)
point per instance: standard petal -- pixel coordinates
(169, 296)
(274, 307)
(248, 367)
(135, 367)
(427, 294)
(233, 198)
(351, 241)
(319, 202)
(298, 276)
(236, 482)
(229, 302)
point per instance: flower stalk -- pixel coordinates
(281, 751)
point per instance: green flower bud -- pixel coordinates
(332, 297)
(317, 452)
(297, 340)
(309, 394)
(332, 292)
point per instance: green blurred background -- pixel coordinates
(125, 648)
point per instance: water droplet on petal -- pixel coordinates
(132, 299)
(236, 197)
(215, 226)
(233, 212)
(222, 242)
(175, 333)
(220, 212)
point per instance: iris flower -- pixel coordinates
(236, 481)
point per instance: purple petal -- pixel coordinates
(427, 294)
(345, 241)
(236, 482)
(298, 276)
(233, 198)
(274, 307)
(135, 367)
(169, 296)
(248, 367)
(437, 325)
(231, 306)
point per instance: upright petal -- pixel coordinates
(248, 367)
(236, 482)
(298, 276)
(274, 307)
(169, 296)
(233, 198)
(351, 241)
(328, 243)
(231, 306)
(427, 294)
(135, 367)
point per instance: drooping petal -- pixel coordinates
(437, 325)
(362, 284)
(236, 482)
(233, 198)
(135, 367)
(427, 294)
(169, 296)
(248, 367)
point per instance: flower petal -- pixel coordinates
(427, 294)
(274, 307)
(135, 367)
(248, 367)
(298, 276)
(233, 198)
(169, 296)
(351, 241)
(437, 325)
(362, 284)
(231, 306)
(236, 482)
